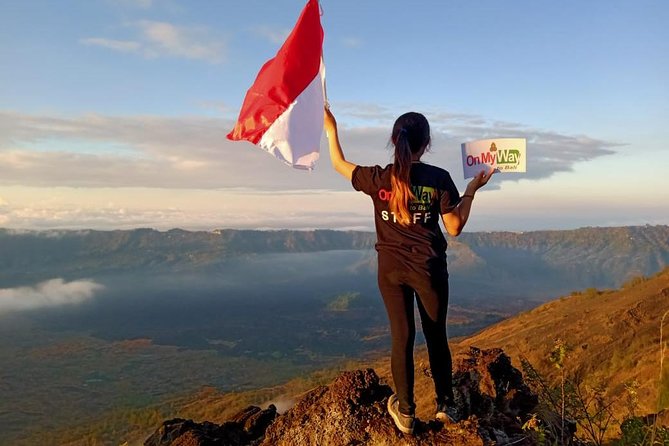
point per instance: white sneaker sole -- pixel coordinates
(406, 430)
(444, 418)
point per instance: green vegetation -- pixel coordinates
(637, 432)
(663, 398)
(343, 302)
(586, 410)
(663, 393)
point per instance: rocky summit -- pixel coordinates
(491, 398)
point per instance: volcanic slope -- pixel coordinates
(612, 339)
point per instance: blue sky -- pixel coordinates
(113, 113)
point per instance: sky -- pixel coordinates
(113, 113)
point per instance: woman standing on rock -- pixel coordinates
(409, 196)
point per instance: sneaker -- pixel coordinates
(446, 413)
(404, 423)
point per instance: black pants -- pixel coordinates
(398, 285)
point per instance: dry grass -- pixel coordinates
(612, 337)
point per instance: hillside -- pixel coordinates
(612, 338)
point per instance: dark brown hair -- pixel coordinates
(411, 134)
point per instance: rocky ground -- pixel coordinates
(492, 400)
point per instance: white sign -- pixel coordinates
(503, 154)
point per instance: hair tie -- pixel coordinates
(403, 130)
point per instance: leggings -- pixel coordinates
(398, 285)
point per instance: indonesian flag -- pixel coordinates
(283, 109)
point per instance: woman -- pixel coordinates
(409, 196)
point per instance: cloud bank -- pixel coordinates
(52, 293)
(192, 152)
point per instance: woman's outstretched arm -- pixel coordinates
(455, 220)
(339, 163)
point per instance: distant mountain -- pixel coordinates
(31, 256)
(601, 257)
(492, 266)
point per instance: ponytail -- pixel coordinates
(399, 179)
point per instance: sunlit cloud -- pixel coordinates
(52, 293)
(155, 39)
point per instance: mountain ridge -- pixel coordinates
(601, 257)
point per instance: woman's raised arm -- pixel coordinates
(339, 163)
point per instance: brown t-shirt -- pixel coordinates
(435, 193)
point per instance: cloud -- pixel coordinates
(549, 152)
(161, 39)
(4, 212)
(221, 107)
(191, 209)
(142, 4)
(192, 43)
(52, 293)
(126, 46)
(193, 152)
(273, 35)
(351, 42)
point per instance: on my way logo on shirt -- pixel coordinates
(419, 206)
(423, 194)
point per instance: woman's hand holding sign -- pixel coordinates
(455, 220)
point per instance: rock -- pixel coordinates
(245, 428)
(254, 420)
(486, 385)
(491, 398)
(352, 411)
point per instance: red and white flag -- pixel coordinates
(283, 110)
